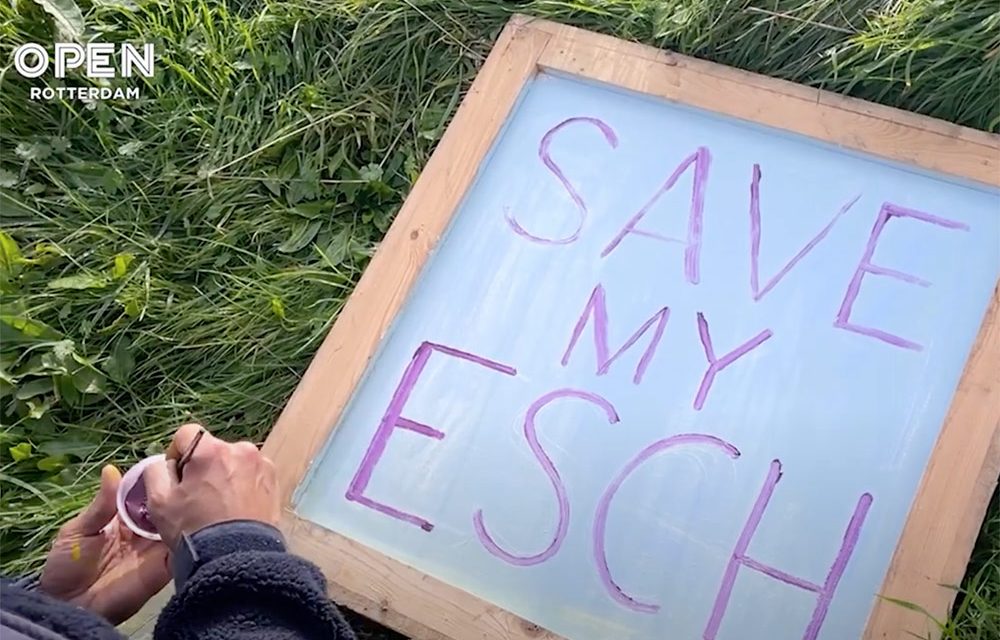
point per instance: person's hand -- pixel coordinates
(220, 482)
(97, 563)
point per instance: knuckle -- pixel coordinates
(209, 445)
(246, 449)
(246, 445)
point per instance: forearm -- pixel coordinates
(247, 587)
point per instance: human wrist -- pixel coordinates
(219, 539)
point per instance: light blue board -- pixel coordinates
(845, 413)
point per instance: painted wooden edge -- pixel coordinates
(360, 578)
(769, 83)
(889, 133)
(948, 510)
(398, 596)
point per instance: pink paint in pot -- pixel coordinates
(132, 501)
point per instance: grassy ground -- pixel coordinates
(180, 257)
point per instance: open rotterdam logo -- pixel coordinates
(95, 60)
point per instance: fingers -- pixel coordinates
(102, 508)
(246, 449)
(154, 569)
(141, 574)
(160, 479)
(183, 439)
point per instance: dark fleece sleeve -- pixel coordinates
(248, 587)
(25, 609)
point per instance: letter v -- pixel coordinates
(755, 289)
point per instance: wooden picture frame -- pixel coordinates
(957, 483)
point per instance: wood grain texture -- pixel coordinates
(948, 508)
(846, 122)
(401, 597)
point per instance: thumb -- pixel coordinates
(103, 507)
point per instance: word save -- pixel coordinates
(699, 162)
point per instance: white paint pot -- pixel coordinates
(131, 500)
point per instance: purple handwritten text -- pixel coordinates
(393, 420)
(755, 289)
(888, 211)
(715, 365)
(601, 518)
(597, 307)
(739, 558)
(546, 158)
(700, 159)
(531, 434)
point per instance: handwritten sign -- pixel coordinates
(667, 372)
(635, 368)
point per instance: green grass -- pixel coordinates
(181, 257)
